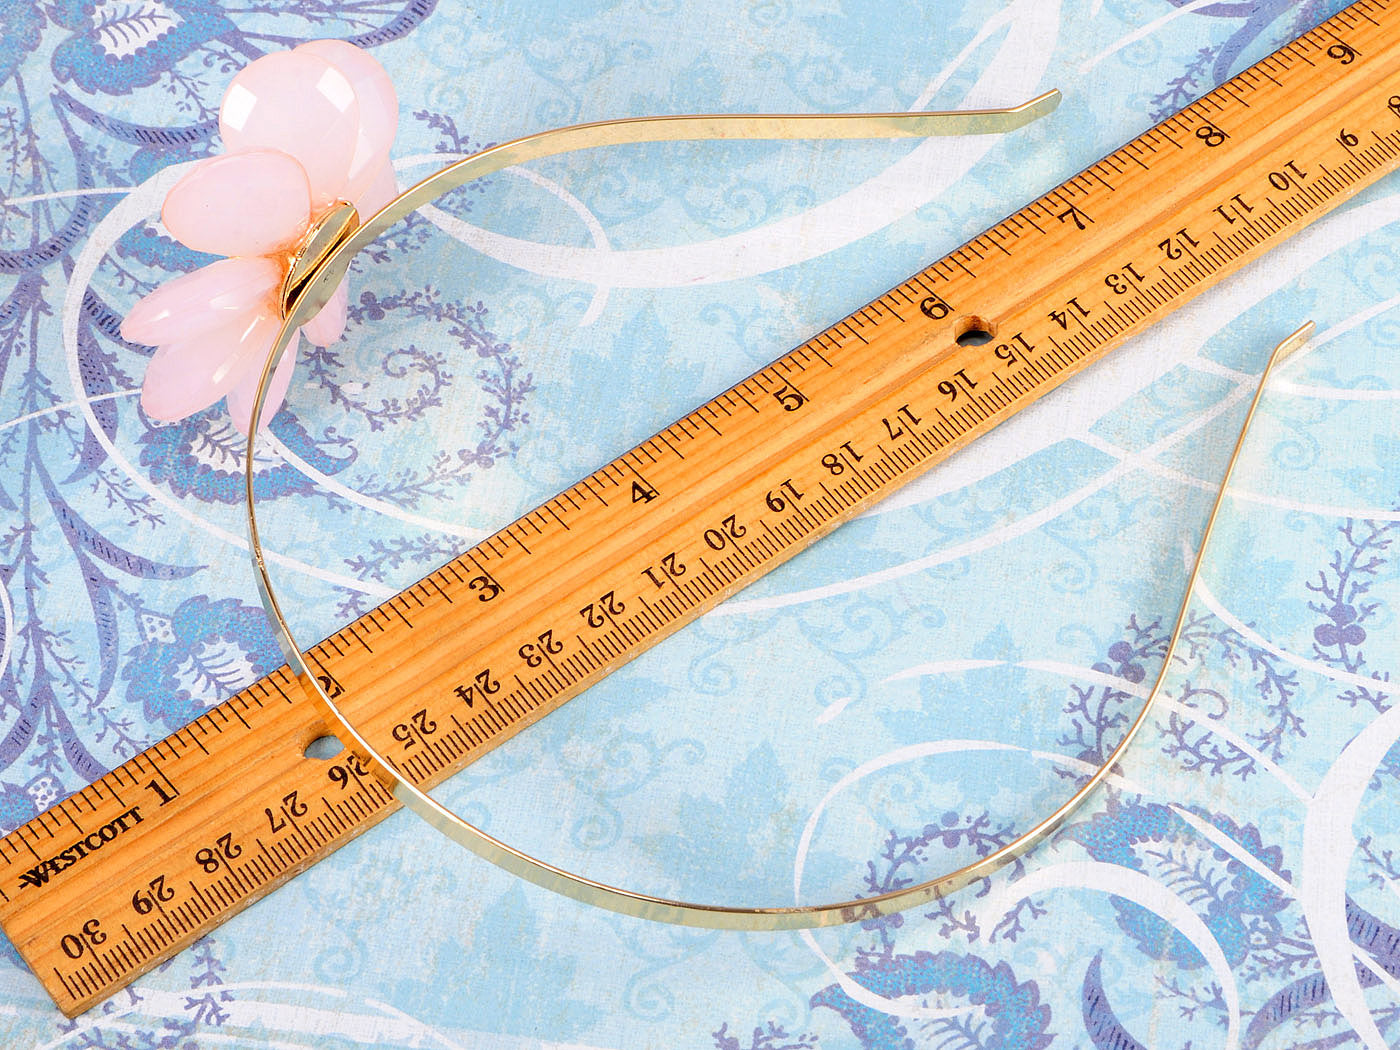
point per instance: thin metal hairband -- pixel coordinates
(321, 265)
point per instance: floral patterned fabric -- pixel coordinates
(907, 695)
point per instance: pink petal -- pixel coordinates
(300, 104)
(186, 376)
(382, 190)
(211, 297)
(326, 327)
(379, 107)
(250, 203)
(240, 398)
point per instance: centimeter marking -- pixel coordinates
(134, 867)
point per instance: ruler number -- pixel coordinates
(330, 685)
(165, 792)
(669, 569)
(90, 936)
(1291, 176)
(1211, 135)
(1015, 352)
(642, 493)
(837, 462)
(483, 685)
(353, 766)
(1118, 283)
(775, 500)
(536, 652)
(895, 427)
(1393, 104)
(143, 902)
(1078, 216)
(958, 382)
(1175, 246)
(1236, 209)
(488, 587)
(597, 614)
(417, 729)
(790, 398)
(935, 308)
(1073, 310)
(211, 858)
(1343, 53)
(729, 530)
(292, 807)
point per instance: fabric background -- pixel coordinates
(984, 634)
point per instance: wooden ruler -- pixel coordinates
(128, 871)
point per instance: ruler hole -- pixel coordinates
(324, 747)
(974, 331)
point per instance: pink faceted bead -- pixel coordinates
(211, 297)
(379, 108)
(240, 398)
(382, 190)
(300, 104)
(250, 203)
(186, 376)
(327, 326)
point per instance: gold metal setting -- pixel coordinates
(314, 289)
(310, 256)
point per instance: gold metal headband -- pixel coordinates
(320, 266)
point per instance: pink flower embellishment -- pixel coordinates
(303, 129)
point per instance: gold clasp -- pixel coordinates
(309, 283)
